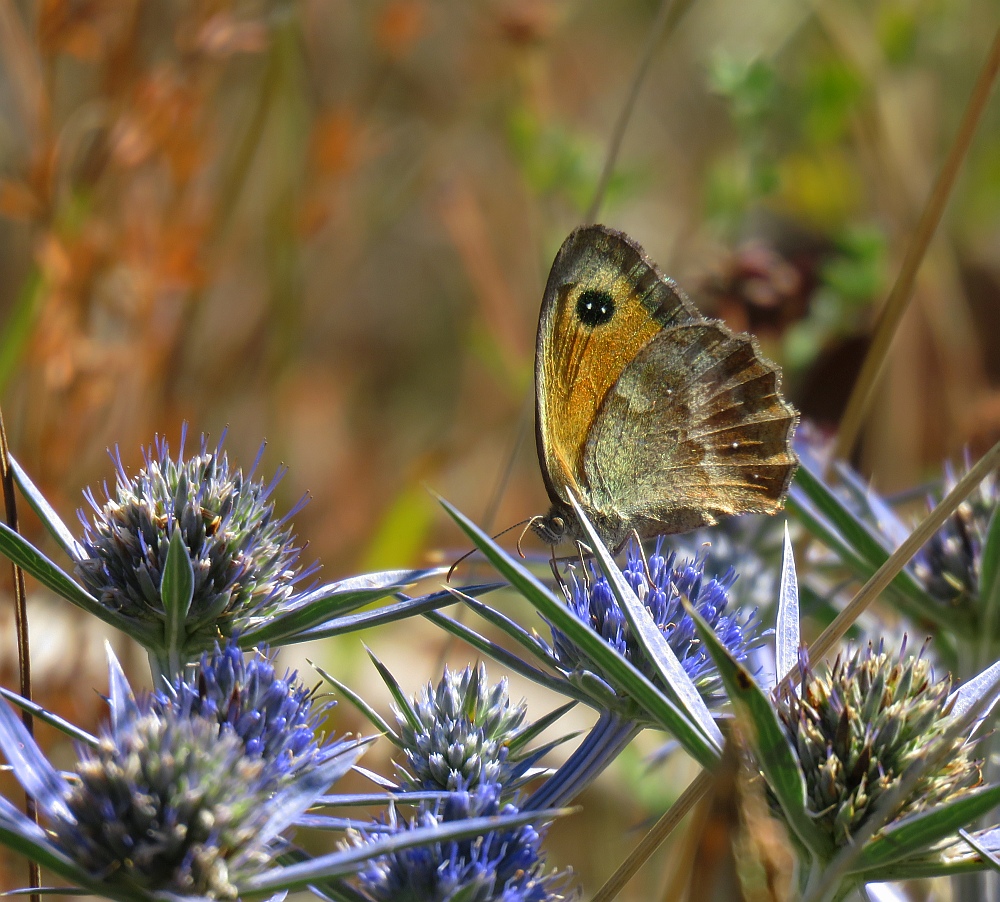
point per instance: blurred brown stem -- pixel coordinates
(24, 73)
(21, 629)
(659, 832)
(899, 297)
(666, 18)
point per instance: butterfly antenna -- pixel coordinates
(472, 551)
(531, 521)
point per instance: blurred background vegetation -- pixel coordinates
(328, 224)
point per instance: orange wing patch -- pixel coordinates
(583, 365)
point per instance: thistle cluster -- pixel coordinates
(243, 556)
(169, 804)
(661, 586)
(504, 865)
(193, 789)
(464, 740)
(462, 734)
(949, 565)
(859, 726)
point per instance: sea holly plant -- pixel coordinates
(505, 864)
(189, 550)
(958, 568)
(870, 761)
(467, 756)
(193, 791)
(196, 788)
(952, 583)
(187, 791)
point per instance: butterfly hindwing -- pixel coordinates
(693, 429)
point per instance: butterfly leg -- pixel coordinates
(556, 575)
(642, 554)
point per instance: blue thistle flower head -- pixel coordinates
(750, 545)
(661, 588)
(185, 792)
(505, 865)
(464, 734)
(244, 557)
(168, 803)
(950, 564)
(276, 718)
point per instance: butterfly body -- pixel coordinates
(654, 417)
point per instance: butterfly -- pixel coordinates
(653, 417)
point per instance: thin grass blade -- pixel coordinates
(32, 561)
(504, 657)
(366, 710)
(39, 713)
(395, 690)
(921, 831)
(45, 512)
(350, 861)
(316, 607)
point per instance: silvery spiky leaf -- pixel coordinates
(242, 556)
(505, 865)
(660, 588)
(859, 725)
(463, 733)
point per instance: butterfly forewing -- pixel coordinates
(603, 302)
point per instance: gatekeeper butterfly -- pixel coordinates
(654, 417)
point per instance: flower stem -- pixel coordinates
(609, 736)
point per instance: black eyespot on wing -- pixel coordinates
(594, 308)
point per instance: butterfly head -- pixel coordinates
(561, 523)
(553, 527)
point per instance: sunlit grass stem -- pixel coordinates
(902, 291)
